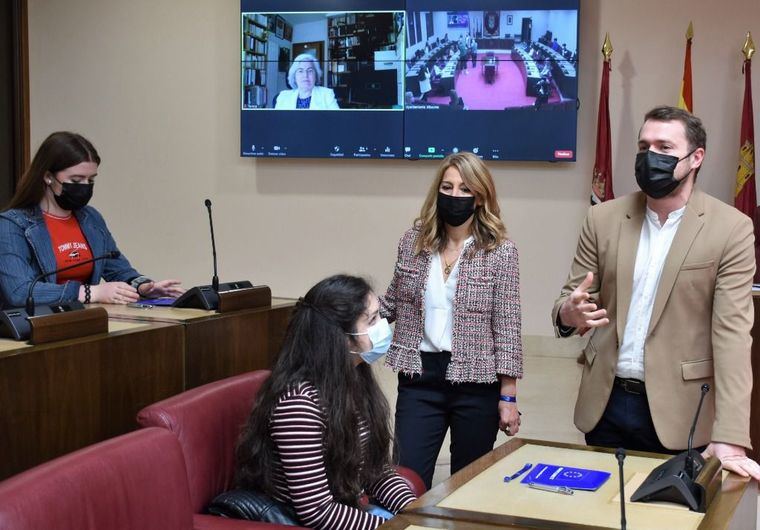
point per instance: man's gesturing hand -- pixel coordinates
(580, 311)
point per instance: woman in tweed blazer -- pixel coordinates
(455, 298)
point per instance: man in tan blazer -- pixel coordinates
(661, 280)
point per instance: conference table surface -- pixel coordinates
(478, 497)
(9, 347)
(151, 313)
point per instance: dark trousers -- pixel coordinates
(428, 405)
(627, 422)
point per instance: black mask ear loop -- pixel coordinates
(690, 153)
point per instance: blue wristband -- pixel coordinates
(508, 399)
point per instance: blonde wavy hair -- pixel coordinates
(487, 227)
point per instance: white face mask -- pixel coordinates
(380, 335)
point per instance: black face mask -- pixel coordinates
(74, 196)
(654, 173)
(455, 211)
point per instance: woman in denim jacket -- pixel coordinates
(48, 226)
(455, 298)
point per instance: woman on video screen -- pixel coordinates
(303, 76)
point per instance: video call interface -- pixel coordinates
(414, 79)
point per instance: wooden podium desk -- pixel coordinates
(754, 420)
(61, 396)
(219, 345)
(478, 497)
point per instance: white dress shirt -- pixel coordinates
(439, 305)
(654, 245)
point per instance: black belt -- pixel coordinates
(632, 386)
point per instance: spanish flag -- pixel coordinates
(601, 180)
(745, 196)
(685, 99)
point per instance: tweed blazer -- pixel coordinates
(701, 318)
(486, 333)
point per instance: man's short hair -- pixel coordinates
(695, 131)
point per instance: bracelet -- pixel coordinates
(137, 287)
(87, 293)
(508, 399)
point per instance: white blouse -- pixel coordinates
(439, 305)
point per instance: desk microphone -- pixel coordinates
(685, 478)
(215, 277)
(30, 298)
(207, 296)
(689, 463)
(620, 455)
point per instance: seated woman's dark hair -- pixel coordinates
(316, 349)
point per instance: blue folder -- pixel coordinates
(165, 301)
(571, 477)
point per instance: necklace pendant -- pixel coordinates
(447, 269)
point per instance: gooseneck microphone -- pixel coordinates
(689, 463)
(30, 298)
(207, 296)
(620, 455)
(686, 478)
(215, 277)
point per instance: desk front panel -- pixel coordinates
(754, 420)
(59, 397)
(219, 345)
(416, 522)
(234, 343)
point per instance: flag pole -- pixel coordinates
(745, 194)
(685, 98)
(601, 179)
(748, 50)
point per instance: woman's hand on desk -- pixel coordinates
(114, 293)
(163, 288)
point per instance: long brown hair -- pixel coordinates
(59, 151)
(487, 227)
(315, 349)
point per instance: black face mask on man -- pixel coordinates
(74, 196)
(455, 211)
(654, 173)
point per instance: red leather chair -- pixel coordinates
(207, 421)
(135, 481)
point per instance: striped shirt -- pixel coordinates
(298, 428)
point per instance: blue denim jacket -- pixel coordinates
(26, 251)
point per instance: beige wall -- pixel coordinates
(154, 84)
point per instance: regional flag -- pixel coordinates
(685, 98)
(601, 180)
(745, 198)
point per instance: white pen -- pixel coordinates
(564, 490)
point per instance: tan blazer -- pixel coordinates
(701, 320)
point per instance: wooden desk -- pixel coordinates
(407, 522)
(477, 495)
(59, 397)
(219, 345)
(754, 419)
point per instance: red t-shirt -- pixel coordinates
(70, 247)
